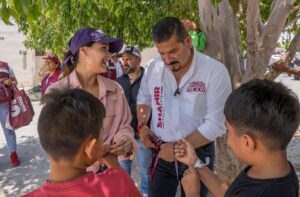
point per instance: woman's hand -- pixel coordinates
(122, 146)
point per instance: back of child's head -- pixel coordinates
(266, 110)
(67, 119)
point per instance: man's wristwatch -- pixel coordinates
(199, 164)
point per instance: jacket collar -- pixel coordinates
(105, 85)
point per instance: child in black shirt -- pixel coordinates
(261, 118)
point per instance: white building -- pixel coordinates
(13, 51)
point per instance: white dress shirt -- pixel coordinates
(197, 102)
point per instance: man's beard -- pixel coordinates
(130, 69)
(173, 68)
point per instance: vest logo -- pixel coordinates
(196, 86)
(158, 96)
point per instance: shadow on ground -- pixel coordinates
(32, 172)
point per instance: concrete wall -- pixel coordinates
(13, 51)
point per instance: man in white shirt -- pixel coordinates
(185, 92)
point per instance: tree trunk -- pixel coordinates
(223, 43)
(260, 48)
(220, 28)
(230, 41)
(210, 24)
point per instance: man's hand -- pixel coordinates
(185, 153)
(280, 66)
(191, 182)
(145, 135)
(167, 152)
(122, 146)
(7, 82)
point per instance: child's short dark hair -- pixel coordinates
(67, 119)
(265, 109)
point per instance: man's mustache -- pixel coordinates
(172, 63)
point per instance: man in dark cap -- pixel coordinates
(131, 81)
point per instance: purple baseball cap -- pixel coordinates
(86, 35)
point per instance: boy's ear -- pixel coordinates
(89, 148)
(249, 143)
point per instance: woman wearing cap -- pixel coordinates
(53, 65)
(89, 49)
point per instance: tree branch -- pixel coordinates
(252, 38)
(210, 24)
(274, 28)
(252, 25)
(231, 39)
(296, 8)
(273, 5)
(261, 25)
(288, 23)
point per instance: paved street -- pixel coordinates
(34, 167)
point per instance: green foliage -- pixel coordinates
(49, 24)
(265, 9)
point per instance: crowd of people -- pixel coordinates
(106, 112)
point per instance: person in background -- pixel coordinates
(114, 67)
(73, 140)
(262, 116)
(118, 64)
(7, 77)
(131, 81)
(198, 36)
(53, 66)
(281, 66)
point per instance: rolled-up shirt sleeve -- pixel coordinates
(218, 91)
(144, 96)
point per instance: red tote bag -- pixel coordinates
(20, 109)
